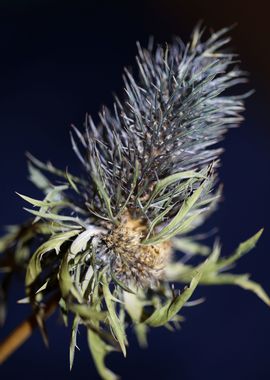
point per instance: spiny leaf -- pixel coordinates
(214, 271)
(242, 249)
(172, 227)
(50, 168)
(54, 243)
(241, 280)
(54, 198)
(99, 349)
(66, 282)
(117, 327)
(163, 315)
(44, 203)
(52, 216)
(167, 181)
(73, 341)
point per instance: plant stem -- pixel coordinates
(23, 331)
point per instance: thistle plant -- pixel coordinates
(108, 247)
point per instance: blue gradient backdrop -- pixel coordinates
(61, 59)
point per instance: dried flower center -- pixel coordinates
(132, 261)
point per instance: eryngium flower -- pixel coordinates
(149, 179)
(162, 130)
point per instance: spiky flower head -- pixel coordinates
(154, 153)
(149, 179)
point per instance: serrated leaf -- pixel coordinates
(115, 322)
(241, 250)
(245, 283)
(73, 341)
(64, 311)
(51, 216)
(214, 272)
(99, 349)
(158, 219)
(66, 283)
(164, 183)
(164, 315)
(50, 168)
(53, 199)
(54, 243)
(183, 227)
(45, 203)
(241, 280)
(172, 228)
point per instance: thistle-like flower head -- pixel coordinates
(154, 153)
(109, 236)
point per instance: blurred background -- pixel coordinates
(61, 59)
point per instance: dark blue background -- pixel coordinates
(60, 59)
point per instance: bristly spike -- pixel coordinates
(149, 163)
(167, 123)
